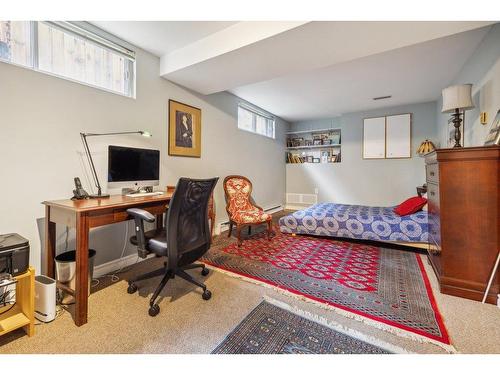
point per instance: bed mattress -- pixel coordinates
(359, 222)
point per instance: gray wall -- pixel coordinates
(40, 149)
(483, 71)
(368, 182)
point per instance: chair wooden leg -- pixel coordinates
(269, 229)
(212, 226)
(238, 234)
(230, 229)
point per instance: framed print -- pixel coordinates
(184, 133)
(493, 136)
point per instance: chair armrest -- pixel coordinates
(137, 213)
(140, 216)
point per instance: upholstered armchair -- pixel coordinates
(241, 208)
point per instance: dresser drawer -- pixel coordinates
(432, 172)
(435, 234)
(433, 198)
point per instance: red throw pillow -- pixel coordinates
(410, 206)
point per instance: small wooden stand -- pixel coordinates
(22, 314)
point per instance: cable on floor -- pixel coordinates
(114, 275)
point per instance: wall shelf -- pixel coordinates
(300, 147)
(313, 131)
(313, 146)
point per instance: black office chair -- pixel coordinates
(185, 238)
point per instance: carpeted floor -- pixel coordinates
(270, 329)
(384, 287)
(119, 323)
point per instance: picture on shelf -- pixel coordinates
(297, 142)
(315, 160)
(335, 139)
(309, 159)
(325, 156)
(317, 142)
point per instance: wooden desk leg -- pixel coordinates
(159, 221)
(82, 261)
(50, 244)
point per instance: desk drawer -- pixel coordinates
(432, 172)
(121, 215)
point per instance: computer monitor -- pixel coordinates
(133, 166)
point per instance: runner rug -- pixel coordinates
(386, 288)
(270, 329)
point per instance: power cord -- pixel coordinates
(59, 312)
(114, 275)
(7, 295)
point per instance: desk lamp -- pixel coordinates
(91, 162)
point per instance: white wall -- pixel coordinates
(483, 71)
(385, 182)
(41, 152)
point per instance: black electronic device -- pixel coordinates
(14, 254)
(127, 165)
(79, 192)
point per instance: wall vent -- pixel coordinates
(298, 201)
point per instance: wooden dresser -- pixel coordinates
(464, 225)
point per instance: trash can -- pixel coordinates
(66, 273)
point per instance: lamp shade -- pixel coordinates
(426, 147)
(457, 97)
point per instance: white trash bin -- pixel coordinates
(66, 273)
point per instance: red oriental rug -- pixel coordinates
(386, 288)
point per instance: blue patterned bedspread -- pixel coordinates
(360, 222)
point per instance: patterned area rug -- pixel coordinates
(386, 288)
(269, 329)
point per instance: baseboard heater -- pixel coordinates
(225, 225)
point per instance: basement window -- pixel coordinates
(66, 50)
(255, 121)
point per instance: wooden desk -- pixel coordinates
(86, 214)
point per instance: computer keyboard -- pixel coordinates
(135, 195)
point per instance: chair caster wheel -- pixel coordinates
(204, 272)
(132, 288)
(206, 295)
(154, 310)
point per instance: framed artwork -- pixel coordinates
(493, 136)
(184, 133)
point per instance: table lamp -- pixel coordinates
(426, 147)
(455, 99)
(91, 162)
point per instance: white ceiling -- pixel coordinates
(413, 74)
(161, 37)
(305, 70)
